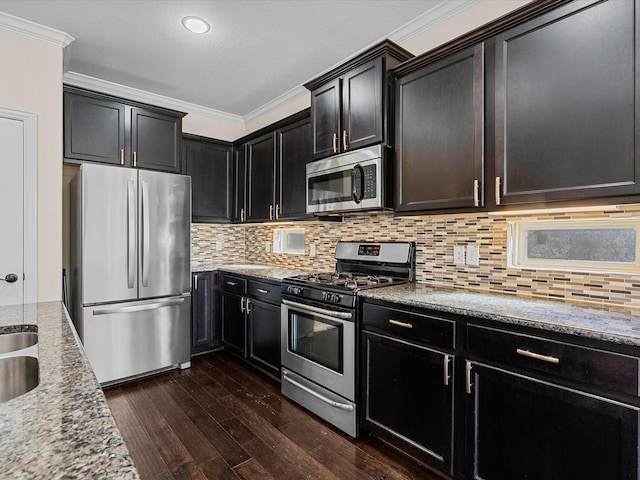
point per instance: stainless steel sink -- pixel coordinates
(18, 375)
(12, 342)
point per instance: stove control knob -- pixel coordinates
(337, 298)
(326, 296)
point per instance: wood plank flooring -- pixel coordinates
(222, 419)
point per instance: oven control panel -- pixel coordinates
(332, 297)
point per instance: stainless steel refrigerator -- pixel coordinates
(130, 269)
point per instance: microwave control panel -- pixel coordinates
(369, 181)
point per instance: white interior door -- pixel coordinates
(17, 208)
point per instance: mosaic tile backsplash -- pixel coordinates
(435, 237)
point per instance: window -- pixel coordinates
(602, 245)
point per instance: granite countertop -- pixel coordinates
(622, 327)
(264, 272)
(63, 427)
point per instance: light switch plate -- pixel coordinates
(458, 255)
(312, 250)
(473, 255)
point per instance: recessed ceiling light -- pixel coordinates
(196, 24)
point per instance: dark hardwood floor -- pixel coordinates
(221, 419)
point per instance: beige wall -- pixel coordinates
(31, 81)
(222, 129)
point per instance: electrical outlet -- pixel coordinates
(267, 247)
(473, 255)
(219, 241)
(312, 250)
(458, 255)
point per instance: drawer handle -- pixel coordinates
(537, 356)
(262, 290)
(233, 284)
(398, 323)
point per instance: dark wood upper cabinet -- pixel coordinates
(155, 140)
(104, 129)
(93, 129)
(210, 165)
(261, 178)
(294, 151)
(566, 105)
(440, 132)
(270, 171)
(349, 104)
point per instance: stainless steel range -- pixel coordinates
(319, 326)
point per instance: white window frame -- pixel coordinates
(517, 248)
(281, 243)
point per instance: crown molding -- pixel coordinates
(118, 90)
(35, 30)
(429, 19)
(291, 95)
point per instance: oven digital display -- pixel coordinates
(369, 250)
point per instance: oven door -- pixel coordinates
(319, 344)
(352, 181)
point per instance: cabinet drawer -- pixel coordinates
(267, 292)
(425, 329)
(597, 368)
(233, 284)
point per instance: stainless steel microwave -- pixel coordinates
(350, 182)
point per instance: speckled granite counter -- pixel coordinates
(264, 272)
(63, 427)
(590, 322)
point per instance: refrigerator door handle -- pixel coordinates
(145, 234)
(139, 308)
(131, 234)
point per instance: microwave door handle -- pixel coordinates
(354, 181)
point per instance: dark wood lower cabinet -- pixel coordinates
(233, 322)
(205, 318)
(263, 336)
(408, 398)
(523, 428)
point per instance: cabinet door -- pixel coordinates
(210, 167)
(524, 428)
(155, 140)
(294, 151)
(261, 167)
(439, 138)
(93, 129)
(239, 183)
(264, 335)
(566, 105)
(233, 322)
(408, 397)
(205, 321)
(325, 118)
(362, 106)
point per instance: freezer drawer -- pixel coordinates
(130, 339)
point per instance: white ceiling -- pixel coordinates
(256, 51)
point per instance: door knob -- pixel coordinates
(10, 278)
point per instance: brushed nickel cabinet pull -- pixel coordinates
(122, 156)
(537, 356)
(247, 305)
(277, 211)
(262, 290)
(270, 212)
(344, 140)
(335, 143)
(476, 197)
(233, 284)
(242, 304)
(195, 283)
(398, 323)
(135, 159)
(243, 217)
(497, 190)
(468, 377)
(446, 369)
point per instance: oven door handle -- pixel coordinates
(321, 311)
(341, 406)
